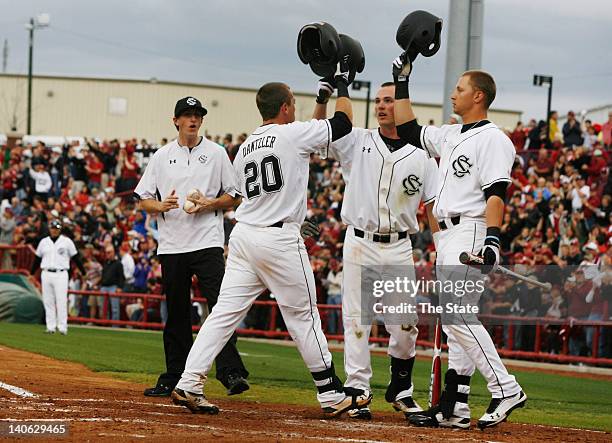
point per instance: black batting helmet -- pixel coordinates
(318, 45)
(419, 33)
(352, 47)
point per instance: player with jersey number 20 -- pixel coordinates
(266, 249)
(476, 159)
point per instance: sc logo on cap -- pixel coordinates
(191, 101)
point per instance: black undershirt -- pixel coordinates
(410, 132)
(393, 144)
(469, 126)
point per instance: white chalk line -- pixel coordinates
(202, 427)
(560, 428)
(27, 394)
(327, 424)
(18, 391)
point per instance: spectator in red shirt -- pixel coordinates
(595, 167)
(82, 198)
(129, 169)
(544, 164)
(519, 137)
(94, 168)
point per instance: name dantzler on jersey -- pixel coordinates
(263, 142)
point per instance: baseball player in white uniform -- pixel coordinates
(266, 249)
(53, 254)
(475, 163)
(386, 180)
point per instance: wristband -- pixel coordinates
(342, 89)
(493, 235)
(401, 90)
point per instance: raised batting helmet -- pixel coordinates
(318, 45)
(352, 47)
(419, 33)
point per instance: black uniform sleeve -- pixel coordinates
(410, 132)
(340, 125)
(498, 188)
(35, 265)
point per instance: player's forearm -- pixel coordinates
(320, 111)
(494, 211)
(403, 111)
(433, 223)
(150, 206)
(222, 203)
(343, 104)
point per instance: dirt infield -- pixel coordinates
(100, 408)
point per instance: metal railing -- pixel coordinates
(495, 323)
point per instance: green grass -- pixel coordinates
(278, 374)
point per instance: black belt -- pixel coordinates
(55, 270)
(277, 225)
(380, 238)
(454, 220)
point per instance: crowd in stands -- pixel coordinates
(558, 213)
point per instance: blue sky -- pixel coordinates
(247, 43)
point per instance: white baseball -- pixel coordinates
(193, 193)
(189, 206)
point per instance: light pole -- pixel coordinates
(357, 85)
(42, 21)
(540, 80)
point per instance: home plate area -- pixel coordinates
(100, 408)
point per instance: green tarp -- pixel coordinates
(19, 301)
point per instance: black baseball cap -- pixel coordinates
(188, 103)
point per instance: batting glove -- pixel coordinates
(402, 67)
(343, 71)
(490, 251)
(325, 89)
(309, 229)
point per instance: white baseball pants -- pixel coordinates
(358, 252)
(55, 299)
(259, 258)
(469, 345)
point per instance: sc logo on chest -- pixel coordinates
(461, 166)
(412, 184)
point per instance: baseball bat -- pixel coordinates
(467, 258)
(435, 382)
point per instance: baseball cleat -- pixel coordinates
(236, 384)
(433, 418)
(160, 390)
(196, 403)
(500, 408)
(354, 399)
(407, 405)
(361, 413)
